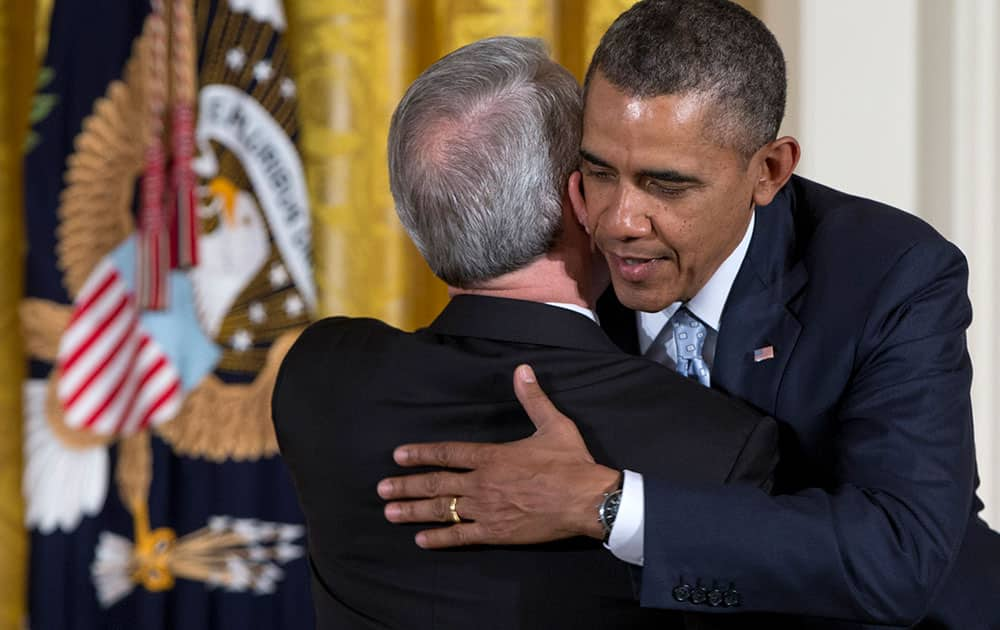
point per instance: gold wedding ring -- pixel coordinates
(453, 510)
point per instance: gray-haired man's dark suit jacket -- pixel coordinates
(351, 390)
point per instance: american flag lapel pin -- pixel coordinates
(763, 354)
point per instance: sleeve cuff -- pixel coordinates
(626, 540)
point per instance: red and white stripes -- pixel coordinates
(114, 378)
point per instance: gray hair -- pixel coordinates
(710, 47)
(480, 150)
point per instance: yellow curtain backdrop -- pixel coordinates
(17, 67)
(353, 61)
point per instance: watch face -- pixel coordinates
(613, 502)
(609, 509)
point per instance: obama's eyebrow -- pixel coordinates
(668, 175)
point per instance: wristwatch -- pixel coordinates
(607, 510)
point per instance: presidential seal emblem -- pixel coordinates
(197, 372)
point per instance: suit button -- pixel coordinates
(699, 595)
(682, 592)
(731, 599)
(715, 597)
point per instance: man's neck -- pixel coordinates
(544, 280)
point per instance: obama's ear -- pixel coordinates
(777, 161)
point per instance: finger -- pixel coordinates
(455, 536)
(424, 485)
(436, 510)
(444, 454)
(536, 404)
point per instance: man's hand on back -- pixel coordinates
(544, 487)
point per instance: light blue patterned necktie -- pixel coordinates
(689, 335)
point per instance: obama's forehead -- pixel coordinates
(624, 131)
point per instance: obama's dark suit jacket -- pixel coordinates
(875, 521)
(350, 390)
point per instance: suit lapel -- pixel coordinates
(759, 322)
(760, 311)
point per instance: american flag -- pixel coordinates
(763, 354)
(114, 378)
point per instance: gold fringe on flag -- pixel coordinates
(184, 236)
(168, 221)
(153, 254)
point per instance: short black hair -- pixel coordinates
(711, 47)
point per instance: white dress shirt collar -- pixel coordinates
(586, 312)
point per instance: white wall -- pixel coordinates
(899, 100)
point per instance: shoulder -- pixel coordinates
(329, 355)
(881, 275)
(334, 330)
(833, 214)
(331, 337)
(836, 230)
